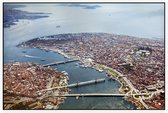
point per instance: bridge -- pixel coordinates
(86, 82)
(76, 84)
(59, 62)
(99, 95)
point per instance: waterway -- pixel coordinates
(76, 73)
(68, 18)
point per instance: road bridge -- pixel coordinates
(59, 62)
(99, 95)
(76, 84)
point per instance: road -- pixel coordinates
(74, 84)
(98, 94)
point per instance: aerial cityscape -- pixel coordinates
(52, 60)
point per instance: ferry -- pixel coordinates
(46, 50)
(81, 65)
(64, 72)
(100, 70)
(67, 78)
(23, 51)
(84, 66)
(12, 61)
(76, 64)
(58, 26)
(110, 78)
(42, 60)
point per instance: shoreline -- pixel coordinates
(114, 74)
(124, 82)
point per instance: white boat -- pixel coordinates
(100, 70)
(64, 72)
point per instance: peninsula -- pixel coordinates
(12, 15)
(137, 63)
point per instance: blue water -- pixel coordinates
(31, 55)
(76, 74)
(97, 103)
(138, 20)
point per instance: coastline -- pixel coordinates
(114, 74)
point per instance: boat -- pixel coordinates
(58, 26)
(76, 64)
(77, 97)
(64, 72)
(23, 51)
(42, 60)
(111, 79)
(46, 50)
(12, 61)
(100, 70)
(81, 65)
(67, 78)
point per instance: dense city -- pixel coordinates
(23, 83)
(139, 60)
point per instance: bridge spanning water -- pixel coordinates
(100, 95)
(59, 62)
(76, 84)
(87, 82)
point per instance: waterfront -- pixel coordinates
(76, 73)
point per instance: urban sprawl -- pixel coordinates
(137, 63)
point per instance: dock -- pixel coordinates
(59, 62)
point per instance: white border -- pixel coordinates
(77, 111)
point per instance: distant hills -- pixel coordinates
(12, 15)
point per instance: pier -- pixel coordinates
(76, 84)
(59, 62)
